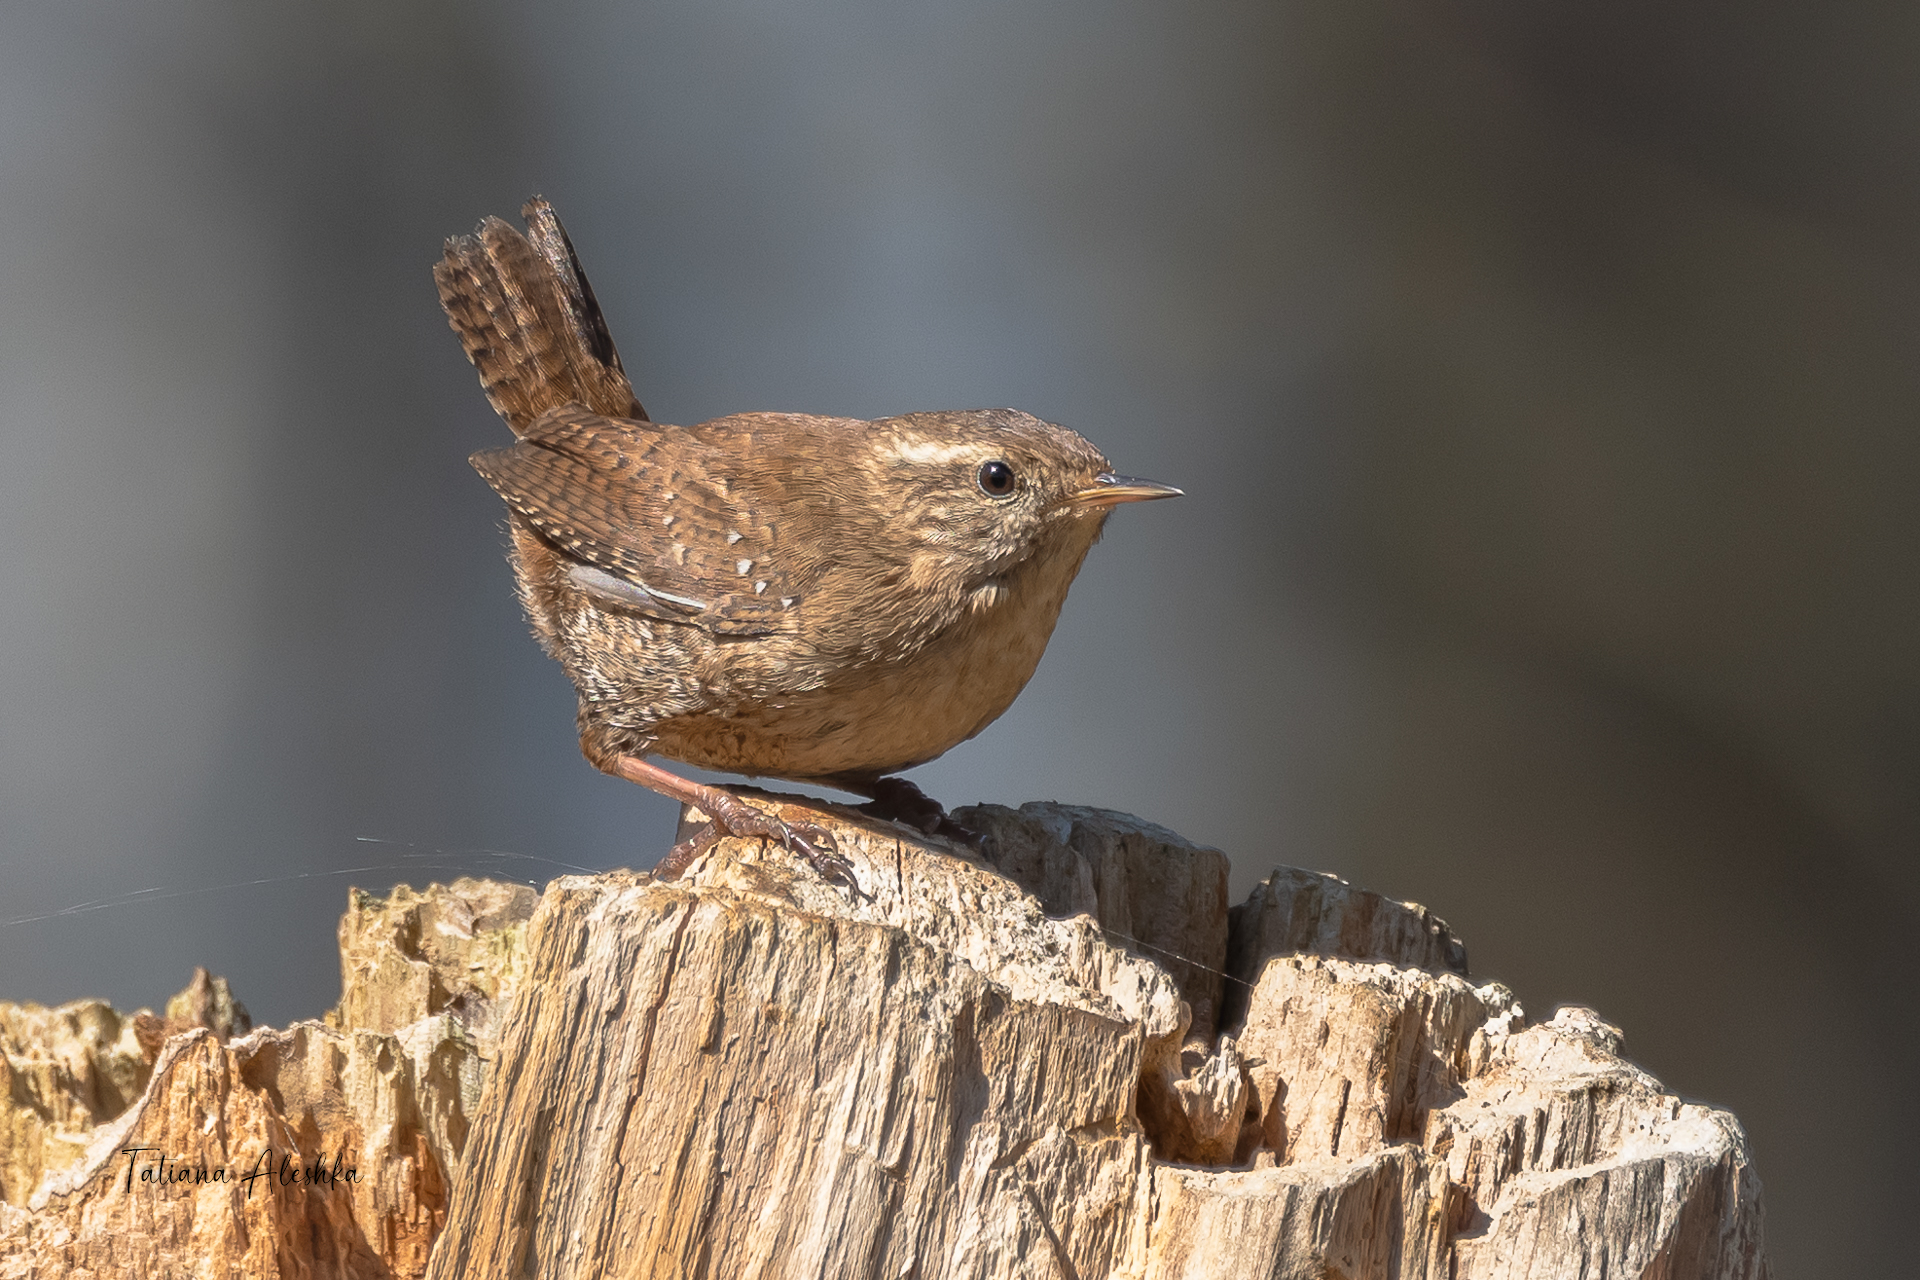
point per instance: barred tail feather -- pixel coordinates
(529, 322)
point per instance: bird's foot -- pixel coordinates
(730, 816)
(898, 800)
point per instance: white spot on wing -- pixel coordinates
(733, 536)
(742, 566)
(759, 588)
(987, 595)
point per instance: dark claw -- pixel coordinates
(807, 834)
(803, 837)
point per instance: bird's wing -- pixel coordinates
(529, 322)
(652, 526)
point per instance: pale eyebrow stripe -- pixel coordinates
(913, 450)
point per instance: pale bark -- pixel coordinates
(1065, 1058)
(752, 1073)
(390, 1102)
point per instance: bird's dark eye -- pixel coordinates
(996, 479)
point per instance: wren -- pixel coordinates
(772, 594)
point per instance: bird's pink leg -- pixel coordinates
(730, 816)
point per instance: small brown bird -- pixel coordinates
(771, 594)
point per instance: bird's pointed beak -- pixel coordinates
(1108, 490)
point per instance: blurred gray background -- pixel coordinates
(1542, 377)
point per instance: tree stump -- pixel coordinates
(1060, 1055)
(1009, 1067)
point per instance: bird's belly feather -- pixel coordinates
(867, 721)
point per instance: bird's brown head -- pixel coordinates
(977, 494)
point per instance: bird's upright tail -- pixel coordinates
(529, 322)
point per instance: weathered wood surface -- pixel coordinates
(752, 1073)
(390, 1102)
(1066, 1057)
(64, 1071)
